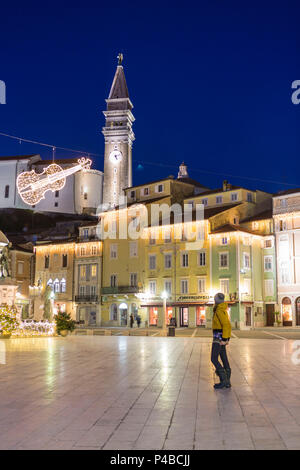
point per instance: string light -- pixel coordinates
(33, 186)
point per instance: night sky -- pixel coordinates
(210, 82)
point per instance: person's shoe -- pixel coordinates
(228, 375)
(223, 379)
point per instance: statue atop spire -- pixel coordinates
(120, 58)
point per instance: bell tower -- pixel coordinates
(118, 137)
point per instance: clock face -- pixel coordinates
(115, 156)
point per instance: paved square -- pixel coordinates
(120, 392)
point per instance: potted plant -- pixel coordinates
(8, 321)
(64, 323)
(277, 319)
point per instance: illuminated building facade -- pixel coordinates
(286, 213)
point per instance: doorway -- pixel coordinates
(123, 314)
(270, 309)
(298, 311)
(287, 314)
(200, 316)
(248, 311)
(184, 316)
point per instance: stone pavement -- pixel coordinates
(146, 393)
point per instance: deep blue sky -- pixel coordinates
(210, 82)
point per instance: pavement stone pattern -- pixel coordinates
(120, 392)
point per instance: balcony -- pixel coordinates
(120, 290)
(86, 298)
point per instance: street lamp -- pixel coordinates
(164, 296)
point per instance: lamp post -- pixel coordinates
(164, 296)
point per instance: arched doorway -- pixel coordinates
(298, 311)
(287, 315)
(123, 314)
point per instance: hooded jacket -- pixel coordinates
(221, 321)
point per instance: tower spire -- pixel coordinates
(118, 137)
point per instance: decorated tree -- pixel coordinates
(64, 322)
(8, 319)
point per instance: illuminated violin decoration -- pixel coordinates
(32, 186)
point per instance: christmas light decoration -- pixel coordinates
(31, 328)
(8, 319)
(33, 186)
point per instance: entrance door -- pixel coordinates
(184, 316)
(270, 308)
(123, 316)
(248, 316)
(200, 316)
(287, 314)
(92, 319)
(298, 311)
(153, 316)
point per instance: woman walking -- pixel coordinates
(221, 327)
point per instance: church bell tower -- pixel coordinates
(118, 137)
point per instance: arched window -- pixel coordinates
(50, 283)
(287, 315)
(63, 285)
(114, 312)
(56, 286)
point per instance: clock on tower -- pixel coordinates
(118, 137)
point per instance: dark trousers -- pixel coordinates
(216, 351)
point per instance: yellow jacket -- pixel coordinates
(221, 320)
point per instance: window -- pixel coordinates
(113, 280)
(283, 203)
(47, 261)
(160, 188)
(133, 280)
(152, 262)
(255, 226)
(64, 261)
(168, 260)
(152, 239)
(269, 287)
(56, 204)
(219, 199)
(20, 267)
(94, 270)
(63, 286)
(268, 263)
(247, 286)
(85, 233)
(82, 290)
(224, 241)
(56, 286)
(50, 283)
(184, 285)
(168, 287)
(205, 202)
(114, 312)
(82, 271)
(152, 287)
(146, 191)
(82, 251)
(167, 236)
(234, 197)
(223, 260)
(113, 251)
(249, 197)
(85, 196)
(6, 192)
(268, 243)
(133, 249)
(224, 286)
(282, 225)
(185, 260)
(93, 290)
(56, 193)
(285, 272)
(201, 285)
(202, 258)
(94, 250)
(246, 261)
(132, 194)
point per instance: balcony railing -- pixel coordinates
(86, 298)
(120, 290)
